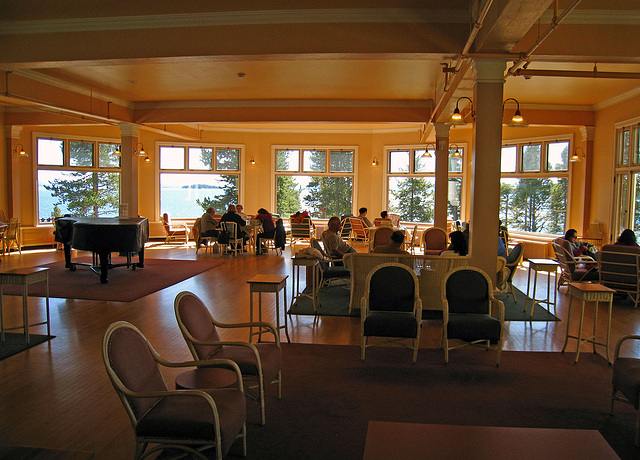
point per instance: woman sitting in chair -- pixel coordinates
(627, 238)
(268, 229)
(579, 248)
(458, 246)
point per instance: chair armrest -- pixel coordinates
(263, 324)
(215, 362)
(621, 341)
(583, 259)
(500, 306)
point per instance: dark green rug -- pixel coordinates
(334, 301)
(15, 343)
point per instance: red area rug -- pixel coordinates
(124, 283)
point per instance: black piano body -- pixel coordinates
(102, 236)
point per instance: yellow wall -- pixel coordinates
(257, 189)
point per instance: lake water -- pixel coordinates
(180, 203)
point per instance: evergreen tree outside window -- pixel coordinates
(69, 182)
(411, 183)
(318, 180)
(192, 178)
(532, 198)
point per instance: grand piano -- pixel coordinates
(102, 236)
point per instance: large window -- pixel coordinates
(76, 176)
(627, 178)
(194, 178)
(319, 180)
(411, 183)
(533, 187)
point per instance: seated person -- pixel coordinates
(394, 246)
(502, 249)
(458, 246)
(362, 215)
(268, 229)
(232, 216)
(579, 248)
(208, 224)
(627, 238)
(239, 211)
(334, 245)
(300, 216)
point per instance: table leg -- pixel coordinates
(528, 285)
(314, 291)
(609, 328)
(104, 267)
(566, 340)
(286, 329)
(595, 323)
(555, 290)
(535, 286)
(250, 315)
(260, 316)
(1, 318)
(25, 312)
(278, 311)
(46, 291)
(580, 332)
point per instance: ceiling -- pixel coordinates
(349, 62)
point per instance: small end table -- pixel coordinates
(548, 266)
(589, 292)
(268, 283)
(296, 263)
(24, 277)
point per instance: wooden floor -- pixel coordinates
(57, 395)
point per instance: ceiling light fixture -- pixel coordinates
(577, 156)
(456, 117)
(457, 153)
(517, 121)
(20, 151)
(426, 153)
(141, 152)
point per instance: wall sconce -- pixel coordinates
(457, 153)
(516, 121)
(147, 159)
(117, 152)
(456, 117)
(375, 162)
(20, 151)
(577, 156)
(252, 161)
(141, 152)
(426, 153)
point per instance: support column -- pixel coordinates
(587, 139)
(15, 164)
(129, 168)
(442, 175)
(485, 184)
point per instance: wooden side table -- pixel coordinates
(296, 263)
(589, 292)
(268, 283)
(24, 277)
(548, 266)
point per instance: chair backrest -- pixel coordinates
(514, 258)
(414, 237)
(230, 227)
(12, 229)
(392, 287)
(166, 222)
(316, 245)
(382, 236)
(395, 219)
(566, 245)
(345, 231)
(301, 229)
(358, 228)
(131, 364)
(196, 229)
(195, 322)
(380, 222)
(619, 267)
(434, 238)
(467, 290)
(565, 259)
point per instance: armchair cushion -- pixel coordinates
(626, 379)
(471, 327)
(270, 358)
(390, 324)
(186, 417)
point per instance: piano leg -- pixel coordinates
(67, 255)
(141, 258)
(104, 266)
